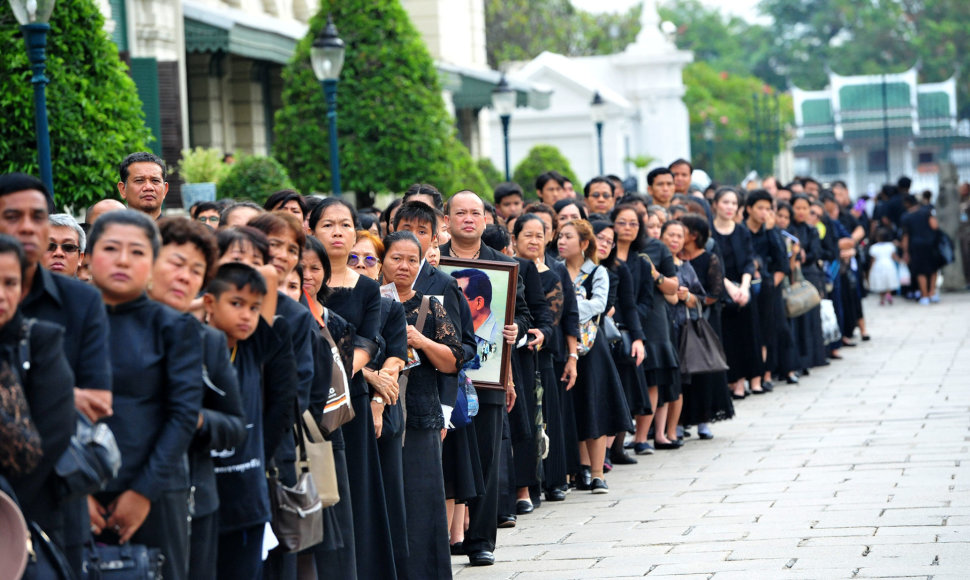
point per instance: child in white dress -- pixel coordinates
(883, 276)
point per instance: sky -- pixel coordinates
(746, 9)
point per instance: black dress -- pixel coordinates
(707, 398)
(742, 336)
(393, 342)
(424, 491)
(807, 328)
(660, 365)
(361, 307)
(598, 401)
(554, 465)
(626, 317)
(923, 259)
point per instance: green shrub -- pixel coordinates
(542, 158)
(254, 177)
(392, 123)
(492, 175)
(93, 108)
(202, 166)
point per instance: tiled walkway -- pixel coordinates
(862, 470)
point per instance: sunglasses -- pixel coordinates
(68, 248)
(369, 261)
(211, 219)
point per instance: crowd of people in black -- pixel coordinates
(200, 342)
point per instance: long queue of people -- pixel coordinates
(201, 341)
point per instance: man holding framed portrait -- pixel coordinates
(466, 219)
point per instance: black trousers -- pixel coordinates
(241, 554)
(483, 517)
(204, 549)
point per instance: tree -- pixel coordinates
(95, 114)
(254, 178)
(522, 29)
(392, 124)
(542, 158)
(726, 101)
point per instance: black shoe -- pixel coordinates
(524, 506)
(483, 558)
(759, 392)
(866, 338)
(736, 397)
(847, 342)
(555, 495)
(791, 380)
(668, 446)
(457, 549)
(768, 386)
(585, 478)
(506, 521)
(705, 436)
(622, 458)
(599, 486)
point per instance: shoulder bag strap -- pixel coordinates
(402, 381)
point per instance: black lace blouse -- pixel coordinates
(422, 400)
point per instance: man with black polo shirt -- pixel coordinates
(75, 306)
(466, 218)
(143, 185)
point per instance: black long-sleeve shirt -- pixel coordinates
(157, 395)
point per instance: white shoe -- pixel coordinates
(924, 301)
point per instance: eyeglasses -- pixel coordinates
(601, 195)
(369, 261)
(211, 219)
(68, 248)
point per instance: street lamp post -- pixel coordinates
(33, 16)
(503, 101)
(327, 58)
(598, 111)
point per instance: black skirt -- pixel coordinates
(461, 465)
(554, 466)
(742, 342)
(372, 531)
(634, 386)
(707, 399)
(599, 404)
(392, 471)
(424, 495)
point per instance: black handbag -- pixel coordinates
(91, 459)
(124, 562)
(623, 347)
(611, 332)
(701, 351)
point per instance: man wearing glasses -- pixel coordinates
(599, 195)
(65, 249)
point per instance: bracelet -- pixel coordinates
(377, 399)
(574, 355)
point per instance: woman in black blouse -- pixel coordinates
(806, 256)
(707, 397)
(438, 353)
(742, 338)
(357, 300)
(621, 305)
(157, 393)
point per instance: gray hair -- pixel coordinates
(65, 220)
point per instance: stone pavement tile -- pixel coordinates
(772, 546)
(740, 509)
(600, 549)
(785, 574)
(761, 568)
(833, 553)
(632, 565)
(771, 531)
(563, 575)
(506, 569)
(914, 516)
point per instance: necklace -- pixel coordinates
(451, 251)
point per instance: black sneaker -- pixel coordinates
(599, 486)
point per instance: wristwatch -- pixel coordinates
(574, 355)
(377, 399)
(659, 279)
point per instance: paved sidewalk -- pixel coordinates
(861, 471)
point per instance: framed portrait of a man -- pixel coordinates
(489, 288)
